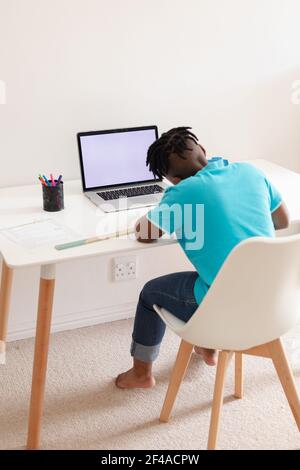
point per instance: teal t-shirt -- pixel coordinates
(213, 211)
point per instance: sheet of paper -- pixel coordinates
(37, 234)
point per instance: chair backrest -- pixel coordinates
(254, 299)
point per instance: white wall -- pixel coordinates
(225, 67)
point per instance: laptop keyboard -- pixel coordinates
(131, 192)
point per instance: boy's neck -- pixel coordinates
(198, 167)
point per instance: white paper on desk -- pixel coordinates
(37, 234)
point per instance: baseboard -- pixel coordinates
(71, 321)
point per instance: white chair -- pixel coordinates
(253, 302)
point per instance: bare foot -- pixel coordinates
(131, 379)
(210, 356)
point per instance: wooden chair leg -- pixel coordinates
(238, 387)
(285, 375)
(181, 365)
(223, 361)
(5, 294)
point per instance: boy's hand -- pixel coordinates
(146, 232)
(281, 217)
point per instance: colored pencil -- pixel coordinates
(42, 181)
(47, 181)
(59, 179)
(86, 241)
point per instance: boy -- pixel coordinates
(239, 203)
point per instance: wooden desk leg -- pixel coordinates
(47, 283)
(5, 294)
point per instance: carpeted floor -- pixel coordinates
(84, 409)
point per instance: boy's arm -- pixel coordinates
(281, 218)
(146, 232)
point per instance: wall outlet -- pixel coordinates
(124, 268)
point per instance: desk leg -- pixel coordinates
(43, 327)
(5, 294)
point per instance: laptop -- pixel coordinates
(113, 168)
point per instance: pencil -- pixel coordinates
(46, 179)
(59, 180)
(86, 241)
(42, 181)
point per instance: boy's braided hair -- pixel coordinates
(173, 141)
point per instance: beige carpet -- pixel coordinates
(84, 410)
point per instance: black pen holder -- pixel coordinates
(53, 197)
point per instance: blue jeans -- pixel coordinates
(174, 292)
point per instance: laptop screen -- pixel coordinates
(116, 157)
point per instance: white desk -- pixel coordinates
(23, 204)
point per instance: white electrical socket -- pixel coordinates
(124, 268)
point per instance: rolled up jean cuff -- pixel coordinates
(144, 353)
